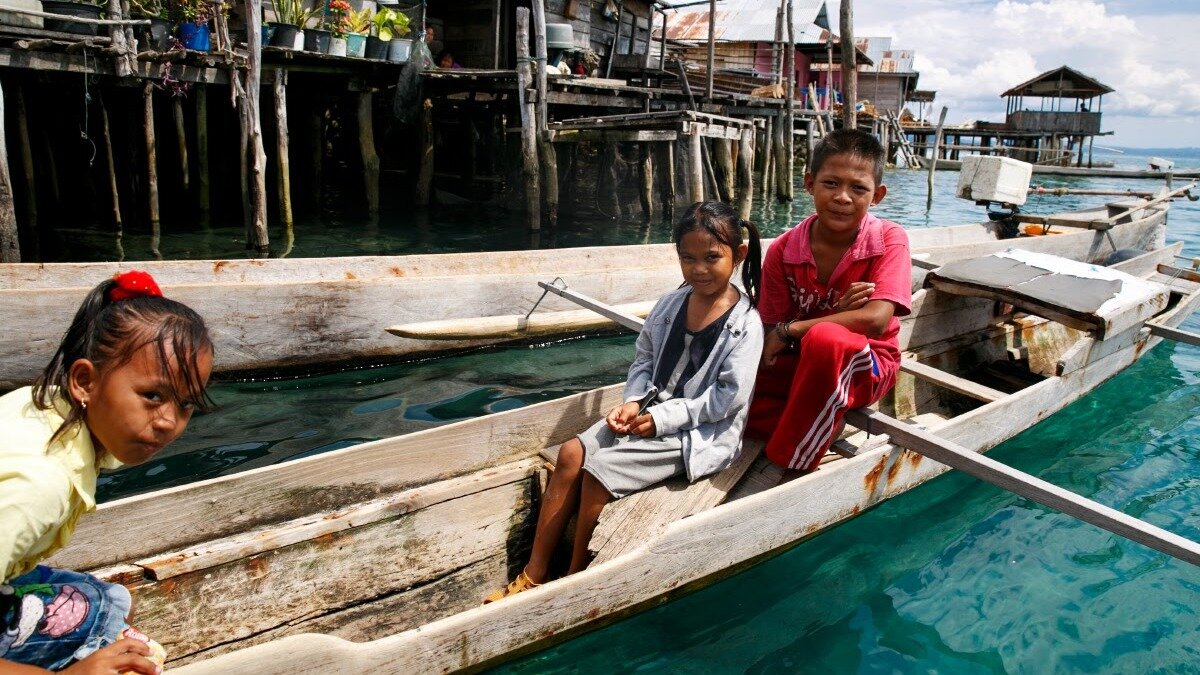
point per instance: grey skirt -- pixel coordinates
(625, 464)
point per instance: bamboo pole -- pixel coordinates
(202, 176)
(937, 139)
(646, 173)
(533, 190)
(10, 243)
(849, 66)
(697, 168)
(745, 173)
(110, 164)
(282, 155)
(181, 138)
(424, 188)
(31, 210)
(370, 158)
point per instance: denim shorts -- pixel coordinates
(54, 617)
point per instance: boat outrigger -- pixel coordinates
(374, 558)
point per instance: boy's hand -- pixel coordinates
(619, 418)
(123, 656)
(642, 426)
(773, 346)
(856, 295)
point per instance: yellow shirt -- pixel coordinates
(43, 488)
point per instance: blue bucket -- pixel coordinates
(194, 37)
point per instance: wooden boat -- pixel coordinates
(267, 314)
(1090, 172)
(374, 558)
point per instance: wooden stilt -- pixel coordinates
(697, 168)
(283, 163)
(203, 197)
(549, 157)
(370, 158)
(668, 164)
(533, 189)
(745, 173)
(181, 139)
(810, 131)
(258, 164)
(768, 150)
(316, 130)
(424, 188)
(110, 164)
(244, 167)
(31, 210)
(937, 139)
(646, 172)
(725, 173)
(10, 244)
(782, 177)
(151, 167)
(789, 131)
(612, 161)
(51, 172)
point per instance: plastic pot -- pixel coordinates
(283, 35)
(337, 46)
(157, 35)
(356, 45)
(398, 50)
(193, 37)
(376, 48)
(316, 40)
(79, 9)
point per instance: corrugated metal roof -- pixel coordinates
(886, 59)
(746, 21)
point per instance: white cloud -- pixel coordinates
(970, 51)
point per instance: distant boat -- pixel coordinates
(1094, 172)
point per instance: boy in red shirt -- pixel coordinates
(834, 286)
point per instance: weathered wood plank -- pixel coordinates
(242, 598)
(515, 325)
(178, 517)
(246, 544)
(1175, 334)
(627, 523)
(950, 381)
(1179, 273)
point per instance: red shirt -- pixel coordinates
(879, 254)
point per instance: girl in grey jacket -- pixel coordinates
(686, 397)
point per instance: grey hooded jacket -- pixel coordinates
(711, 414)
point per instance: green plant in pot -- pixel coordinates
(390, 27)
(157, 35)
(193, 17)
(290, 18)
(359, 26)
(85, 10)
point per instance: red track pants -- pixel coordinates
(800, 401)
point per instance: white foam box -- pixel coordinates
(23, 20)
(994, 179)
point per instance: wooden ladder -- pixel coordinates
(906, 150)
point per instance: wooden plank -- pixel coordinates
(254, 542)
(612, 135)
(623, 318)
(1179, 273)
(711, 130)
(952, 382)
(516, 325)
(218, 605)
(627, 523)
(1174, 334)
(1022, 484)
(179, 517)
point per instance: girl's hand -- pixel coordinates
(642, 426)
(619, 417)
(856, 295)
(773, 346)
(123, 656)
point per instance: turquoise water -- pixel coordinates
(952, 577)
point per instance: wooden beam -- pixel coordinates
(10, 247)
(1025, 485)
(283, 165)
(1179, 273)
(258, 154)
(202, 178)
(109, 161)
(631, 322)
(370, 158)
(949, 381)
(529, 160)
(1174, 334)
(612, 135)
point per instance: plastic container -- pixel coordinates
(559, 36)
(193, 37)
(79, 9)
(994, 179)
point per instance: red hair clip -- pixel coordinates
(132, 284)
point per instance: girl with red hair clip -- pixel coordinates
(129, 373)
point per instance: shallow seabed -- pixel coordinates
(953, 577)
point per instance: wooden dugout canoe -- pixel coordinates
(279, 313)
(1083, 171)
(374, 558)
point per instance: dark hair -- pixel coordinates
(109, 333)
(722, 222)
(851, 142)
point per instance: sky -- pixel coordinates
(970, 51)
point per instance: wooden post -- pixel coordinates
(768, 150)
(370, 158)
(424, 188)
(258, 165)
(745, 173)
(712, 42)
(31, 211)
(283, 165)
(937, 140)
(496, 12)
(316, 129)
(646, 171)
(849, 67)
(612, 52)
(125, 52)
(244, 168)
(151, 153)
(10, 244)
(782, 176)
(181, 139)
(662, 55)
(549, 157)
(697, 168)
(724, 162)
(202, 182)
(810, 130)
(533, 191)
(789, 132)
(110, 164)
(612, 163)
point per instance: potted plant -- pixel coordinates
(158, 34)
(84, 10)
(360, 26)
(193, 17)
(390, 27)
(337, 19)
(286, 29)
